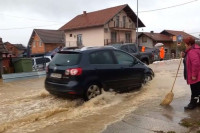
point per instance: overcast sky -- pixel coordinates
(18, 18)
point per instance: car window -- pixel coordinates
(42, 60)
(132, 48)
(101, 57)
(47, 60)
(125, 48)
(39, 61)
(123, 58)
(66, 59)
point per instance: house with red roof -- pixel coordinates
(173, 34)
(149, 39)
(43, 41)
(15, 50)
(102, 27)
(167, 37)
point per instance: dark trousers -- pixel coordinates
(195, 89)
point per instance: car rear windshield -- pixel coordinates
(42, 60)
(66, 59)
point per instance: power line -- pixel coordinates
(63, 22)
(15, 28)
(168, 7)
(32, 19)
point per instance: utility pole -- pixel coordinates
(137, 27)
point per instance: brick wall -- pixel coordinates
(12, 49)
(50, 47)
(44, 48)
(36, 47)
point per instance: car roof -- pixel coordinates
(87, 49)
(118, 45)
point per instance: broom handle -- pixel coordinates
(176, 74)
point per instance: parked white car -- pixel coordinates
(40, 63)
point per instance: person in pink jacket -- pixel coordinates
(192, 70)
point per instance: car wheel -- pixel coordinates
(92, 91)
(147, 78)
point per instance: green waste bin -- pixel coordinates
(23, 65)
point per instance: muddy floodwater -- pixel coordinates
(25, 106)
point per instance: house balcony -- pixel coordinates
(116, 41)
(121, 25)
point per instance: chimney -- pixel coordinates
(84, 13)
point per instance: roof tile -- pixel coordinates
(50, 36)
(157, 36)
(176, 33)
(97, 18)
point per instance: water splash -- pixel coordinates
(39, 110)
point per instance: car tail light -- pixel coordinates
(71, 92)
(73, 71)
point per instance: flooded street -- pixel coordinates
(25, 106)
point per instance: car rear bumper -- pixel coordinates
(71, 88)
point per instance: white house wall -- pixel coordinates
(90, 37)
(148, 44)
(121, 33)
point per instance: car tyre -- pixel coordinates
(92, 90)
(147, 78)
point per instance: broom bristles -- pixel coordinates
(168, 99)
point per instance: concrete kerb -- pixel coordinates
(24, 75)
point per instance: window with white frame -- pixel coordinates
(34, 44)
(40, 43)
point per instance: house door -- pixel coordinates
(79, 40)
(128, 37)
(113, 37)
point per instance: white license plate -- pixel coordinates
(56, 75)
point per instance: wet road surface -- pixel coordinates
(26, 107)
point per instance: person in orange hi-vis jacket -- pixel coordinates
(143, 49)
(162, 53)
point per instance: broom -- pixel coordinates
(169, 97)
